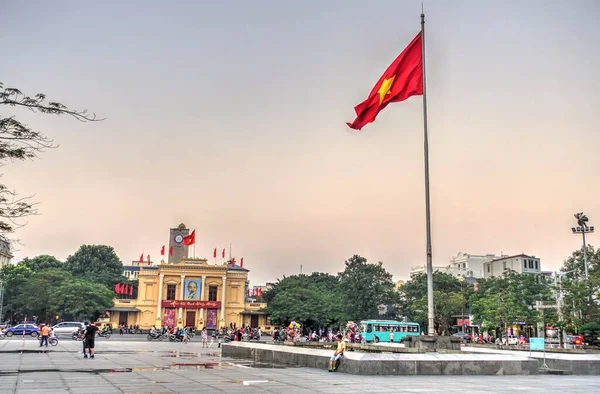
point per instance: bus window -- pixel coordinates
(369, 328)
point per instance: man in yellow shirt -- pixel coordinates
(341, 346)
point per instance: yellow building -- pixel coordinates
(192, 293)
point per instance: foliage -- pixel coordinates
(41, 263)
(505, 300)
(79, 299)
(449, 298)
(363, 287)
(35, 295)
(96, 263)
(19, 142)
(14, 279)
(578, 305)
(591, 333)
(310, 299)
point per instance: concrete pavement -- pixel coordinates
(164, 367)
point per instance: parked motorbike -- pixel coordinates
(254, 336)
(228, 338)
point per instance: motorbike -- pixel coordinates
(175, 338)
(254, 336)
(77, 336)
(104, 334)
(158, 336)
(228, 338)
(53, 341)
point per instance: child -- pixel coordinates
(341, 346)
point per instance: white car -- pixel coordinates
(66, 327)
(512, 340)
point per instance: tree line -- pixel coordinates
(366, 291)
(45, 289)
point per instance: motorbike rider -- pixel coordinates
(154, 332)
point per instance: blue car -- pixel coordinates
(30, 329)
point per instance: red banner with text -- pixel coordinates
(190, 304)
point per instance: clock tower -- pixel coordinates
(180, 251)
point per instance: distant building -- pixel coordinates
(521, 263)
(5, 253)
(471, 265)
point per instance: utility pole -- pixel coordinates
(583, 228)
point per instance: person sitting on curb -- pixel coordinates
(341, 346)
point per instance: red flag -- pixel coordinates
(190, 239)
(149, 260)
(223, 254)
(233, 262)
(141, 258)
(117, 288)
(131, 290)
(171, 251)
(215, 253)
(242, 262)
(260, 292)
(402, 79)
(162, 250)
(126, 289)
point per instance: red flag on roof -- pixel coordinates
(171, 251)
(131, 290)
(223, 254)
(233, 262)
(190, 239)
(162, 250)
(117, 288)
(242, 262)
(215, 253)
(141, 258)
(149, 260)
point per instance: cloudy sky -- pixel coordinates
(230, 117)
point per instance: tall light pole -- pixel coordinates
(583, 228)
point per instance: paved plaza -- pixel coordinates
(164, 367)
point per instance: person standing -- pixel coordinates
(391, 335)
(90, 338)
(45, 331)
(204, 335)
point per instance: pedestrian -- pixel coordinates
(204, 335)
(81, 334)
(391, 336)
(121, 329)
(90, 337)
(45, 331)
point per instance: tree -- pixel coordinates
(578, 305)
(14, 279)
(503, 301)
(97, 263)
(311, 300)
(364, 287)
(41, 263)
(80, 300)
(19, 142)
(449, 297)
(36, 293)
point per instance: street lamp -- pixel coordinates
(583, 228)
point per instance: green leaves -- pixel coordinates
(97, 263)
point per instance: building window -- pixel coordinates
(504, 265)
(536, 264)
(212, 293)
(531, 264)
(524, 264)
(171, 290)
(488, 266)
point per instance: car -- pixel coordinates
(466, 337)
(512, 340)
(67, 327)
(574, 339)
(29, 329)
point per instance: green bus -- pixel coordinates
(379, 330)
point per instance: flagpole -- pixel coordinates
(430, 326)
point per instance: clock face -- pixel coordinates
(179, 238)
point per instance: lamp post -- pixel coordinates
(583, 228)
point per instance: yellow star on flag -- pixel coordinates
(385, 88)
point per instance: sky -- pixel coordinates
(230, 117)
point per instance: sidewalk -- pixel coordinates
(165, 367)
